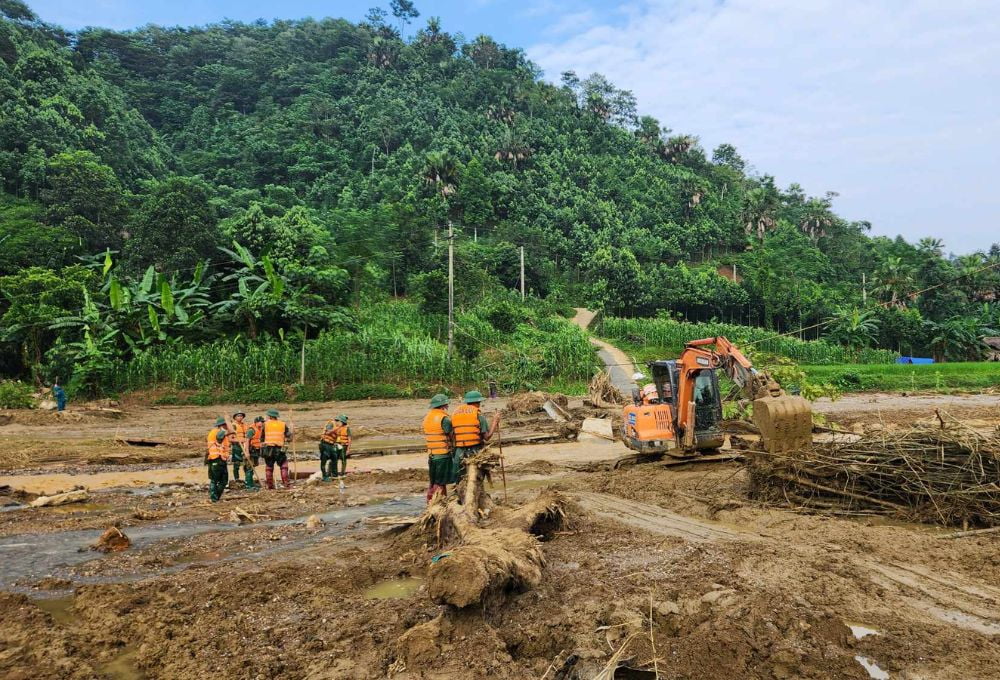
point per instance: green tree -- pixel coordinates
(84, 197)
(174, 228)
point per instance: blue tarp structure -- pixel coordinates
(914, 360)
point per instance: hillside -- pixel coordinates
(328, 157)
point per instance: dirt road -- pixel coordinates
(616, 362)
(678, 565)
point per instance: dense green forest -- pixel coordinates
(168, 189)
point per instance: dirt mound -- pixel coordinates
(112, 540)
(531, 402)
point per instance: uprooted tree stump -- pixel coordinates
(484, 561)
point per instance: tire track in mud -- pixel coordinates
(655, 519)
(946, 597)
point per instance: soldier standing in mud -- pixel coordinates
(471, 430)
(217, 460)
(437, 431)
(276, 435)
(238, 442)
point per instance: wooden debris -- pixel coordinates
(602, 393)
(112, 540)
(75, 496)
(948, 474)
(138, 441)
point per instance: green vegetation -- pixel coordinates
(172, 198)
(393, 351)
(663, 338)
(14, 394)
(956, 376)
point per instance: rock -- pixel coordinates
(313, 522)
(599, 427)
(112, 540)
(667, 608)
(314, 478)
(75, 496)
(47, 405)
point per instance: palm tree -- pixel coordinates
(895, 280)
(816, 218)
(758, 211)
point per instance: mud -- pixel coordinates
(668, 571)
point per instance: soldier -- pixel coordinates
(471, 430)
(437, 430)
(217, 459)
(276, 435)
(341, 446)
(237, 442)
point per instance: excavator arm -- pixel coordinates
(784, 421)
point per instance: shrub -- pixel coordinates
(16, 394)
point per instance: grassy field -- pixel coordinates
(660, 338)
(944, 377)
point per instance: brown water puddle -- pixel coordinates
(394, 588)
(59, 608)
(123, 667)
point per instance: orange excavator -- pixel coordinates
(680, 412)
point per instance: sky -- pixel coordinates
(891, 103)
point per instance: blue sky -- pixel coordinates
(892, 103)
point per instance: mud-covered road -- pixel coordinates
(673, 571)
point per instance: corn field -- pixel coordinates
(673, 334)
(392, 343)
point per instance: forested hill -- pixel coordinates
(336, 153)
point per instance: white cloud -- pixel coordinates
(892, 103)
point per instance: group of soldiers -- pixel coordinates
(451, 437)
(245, 444)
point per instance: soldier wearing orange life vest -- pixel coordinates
(276, 435)
(217, 459)
(341, 445)
(437, 431)
(238, 442)
(471, 431)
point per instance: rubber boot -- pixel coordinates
(284, 476)
(249, 482)
(269, 476)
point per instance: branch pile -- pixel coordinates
(948, 474)
(602, 393)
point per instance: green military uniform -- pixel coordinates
(236, 450)
(462, 452)
(218, 469)
(340, 448)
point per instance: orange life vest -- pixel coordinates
(437, 438)
(216, 449)
(239, 433)
(342, 435)
(274, 432)
(329, 433)
(465, 422)
(258, 435)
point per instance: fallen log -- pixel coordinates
(75, 496)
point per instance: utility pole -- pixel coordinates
(475, 234)
(864, 289)
(522, 273)
(451, 288)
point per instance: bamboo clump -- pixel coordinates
(947, 474)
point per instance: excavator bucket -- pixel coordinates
(785, 422)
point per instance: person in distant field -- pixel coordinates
(238, 442)
(471, 430)
(276, 436)
(255, 442)
(341, 446)
(60, 395)
(437, 431)
(217, 460)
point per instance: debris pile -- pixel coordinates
(534, 402)
(112, 540)
(948, 474)
(601, 393)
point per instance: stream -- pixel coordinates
(27, 558)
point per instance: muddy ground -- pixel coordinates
(669, 571)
